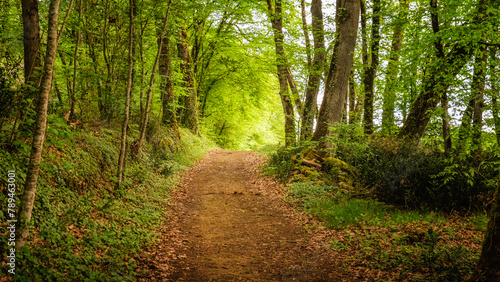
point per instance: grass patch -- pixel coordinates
(389, 243)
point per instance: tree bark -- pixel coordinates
(31, 41)
(434, 10)
(306, 32)
(144, 124)
(189, 115)
(275, 16)
(446, 124)
(488, 267)
(310, 108)
(75, 66)
(130, 81)
(352, 98)
(393, 69)
(347, 18)
(494, 95)
(28, 197)
(370, 72)
(169, 117)
(478, 85)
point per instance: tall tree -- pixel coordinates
(276, 17)
(439, 49)
(305, 29)
(75, 65)
(471, 126)
(31, 40)
(494, 95)
(389, 95)
(346, 18)
(477, 87)
(189, 114)
(370, 71)
(439, 75)
(28, 197)
(169, 117)
(130, 81)
(310, 107)
(145, 117)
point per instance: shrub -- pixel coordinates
(281, 162)
(411, 176)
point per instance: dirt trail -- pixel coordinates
(229, 224)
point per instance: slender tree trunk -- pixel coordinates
(446, 124)
(370, 73)
(496, 115)
(145, 118)
(478, 85)
(310, 108)
(28, 197)
(434, 10)
(275, 16)
(352, 98)
(347, 18)
(75, 65)
(189, 117)
(494, 95)
(130, 81)
(306, 32)
(393, 69)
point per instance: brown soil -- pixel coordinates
(227, 223)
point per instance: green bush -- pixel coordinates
(281, 163)
(411, 176)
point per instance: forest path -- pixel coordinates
(229, 224)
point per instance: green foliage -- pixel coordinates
(413, 177)
(281, 163)
(427, 260)
(382, 237)
(82, 229)
(238, 111)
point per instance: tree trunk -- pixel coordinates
(466, 132)
(31, 41)
(123, 146)
(370, 72)
(478, 84)
(436, 81)
(144, 124)
(28, 197)
(310, 108)
(306, 31)
(75, 66)
(347, 18)
(275, 16)
(189, 115)
(494, 95)
(446, 124)
(488, 267)
(169, 117)
(393, 69)
(352, 98)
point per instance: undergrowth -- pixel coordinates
(411, 213)
(82, 229)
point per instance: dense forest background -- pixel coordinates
(99, 97)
